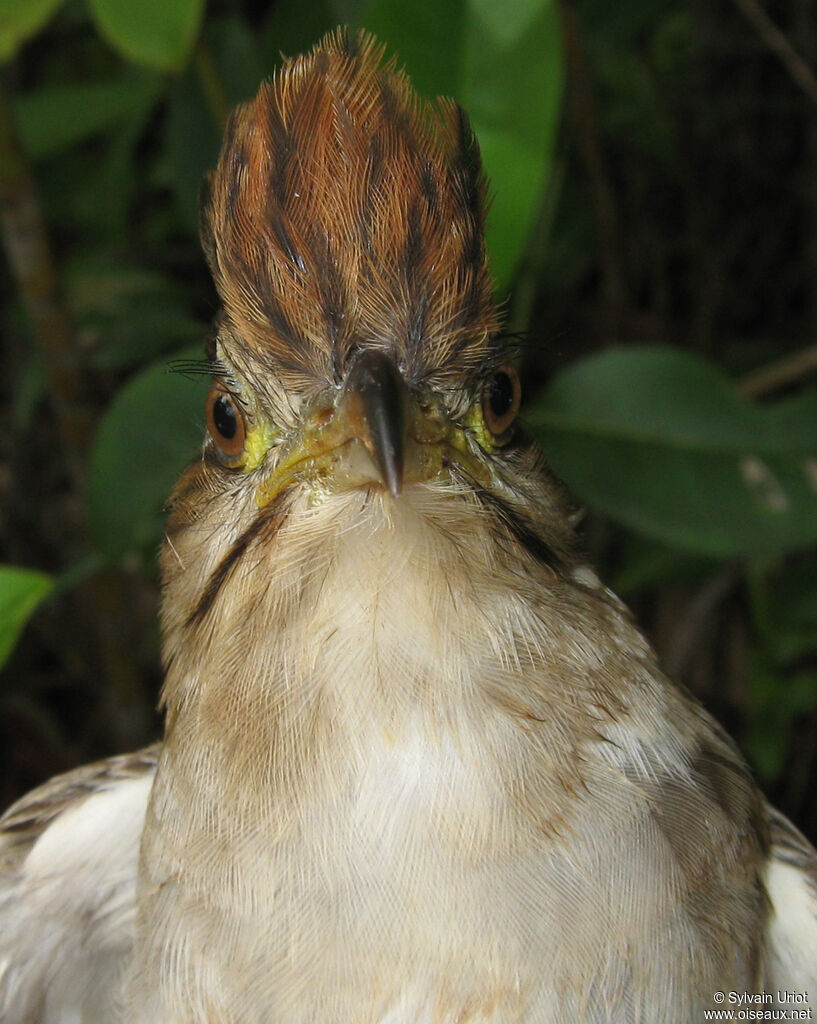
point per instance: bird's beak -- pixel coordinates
(373, 404)
(373, 431)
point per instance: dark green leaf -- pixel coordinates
(617, 26)
(428, 39)
(51, 119)
(633, 105)
(146, 437)
(160, 33)
(783, 600)
(294, 27)
(346, 12)
(506, 24)
(21, 590)
(192, 142)
(776, 700)
(665, 443)
(128, 315)
(511, 85)
(20, 19)
(236, 58)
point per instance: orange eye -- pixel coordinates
(500, 399)
(225, 422)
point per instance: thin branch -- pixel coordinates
(779, 44)
(28, 248)
(214, 92)
(583, 115)
(698, 620)
(780, 373)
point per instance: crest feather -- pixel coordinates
(344, 212)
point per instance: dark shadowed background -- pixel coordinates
(654, 233)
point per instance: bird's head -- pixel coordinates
(344, 229)
(357, 356)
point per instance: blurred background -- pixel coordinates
(653, 166)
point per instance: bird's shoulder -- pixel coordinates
(68, 863)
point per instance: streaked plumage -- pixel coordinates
(419, 765)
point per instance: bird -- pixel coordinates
(419, 765)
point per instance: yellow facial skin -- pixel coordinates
(371, 431)
(334, 449)
(259, 441)
(475, 422)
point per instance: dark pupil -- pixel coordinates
(500, 394)
(224, 417)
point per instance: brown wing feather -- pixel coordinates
(23, 823)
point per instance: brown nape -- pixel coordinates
(344, 211)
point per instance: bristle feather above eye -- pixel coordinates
(197, 367)
(344, 211)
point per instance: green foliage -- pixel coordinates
(782, 679)
(293, 26)
(778, 698)
(664, 442)
(153, 32)
(55, 118)
(149, 432)
(20, 19)
(129, 314)
(21, 590)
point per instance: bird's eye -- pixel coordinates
(225, 422)
(500, 399)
